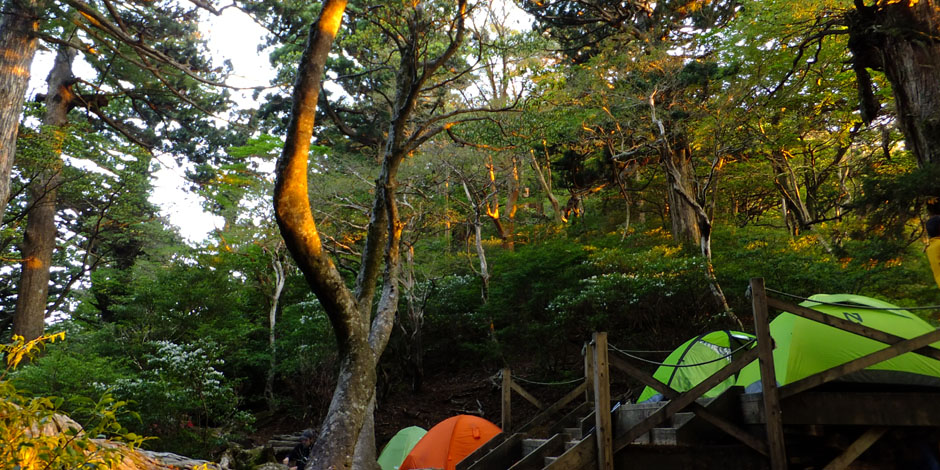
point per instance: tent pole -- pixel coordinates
(765, 346)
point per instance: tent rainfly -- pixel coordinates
(448, 442)
(399, 446)
(696, 359)
(805, 347)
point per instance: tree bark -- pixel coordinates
(546, 184)
(682, 216)
(339, 431)
(346, 430)
(279, 279)
(18, 26)
(40, 234)
(901, 39)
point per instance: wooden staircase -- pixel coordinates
(570, 443)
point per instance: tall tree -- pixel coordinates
(18, 27)
(39, 239)
(424, 40)
(902, 39)
(139, 91)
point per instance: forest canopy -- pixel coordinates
(461, 193)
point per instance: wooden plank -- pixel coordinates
(525, 394)
(620, 361)
(580, 457)
(730, 428)
(589, 372)
(858, 364)
(507, 400)
(849, 326)
(683, 400)
(845, 408)
(856, 449)
(603, 427)
(536, 460)
(499, 452)
(554, 408)
(765, 346)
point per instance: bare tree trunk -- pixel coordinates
(339, 431)
(279, 280)
(505, 226)
(40, 234)
(18, 26)
(477, 224)
(366, 456)
(547, 187)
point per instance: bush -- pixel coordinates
(198, 407)
(31, 427)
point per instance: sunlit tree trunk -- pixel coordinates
(18, 25)
(39, 238)
(679, 178)
(361, 337)
(505, 221)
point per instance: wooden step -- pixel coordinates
(535, 451)
(574, 434)
(663, 436)
(681, 418)
(529, 445)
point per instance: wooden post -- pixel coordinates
(507, 400)
(768, 377)
(603, 426)
(589, 372)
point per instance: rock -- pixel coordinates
(270, 466)
(238, 458)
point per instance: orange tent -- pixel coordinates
(448, 442)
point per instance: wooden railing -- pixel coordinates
(599, 358)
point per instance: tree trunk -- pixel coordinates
(546, 184)
(685, 227)
(901, 39)
(478, 242)
(339, 432)
(279, 280)
(366, 455)
(18, 26)
(505, 227)
(40, 234)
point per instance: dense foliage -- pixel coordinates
(613, 169)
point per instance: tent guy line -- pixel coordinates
(858, 306)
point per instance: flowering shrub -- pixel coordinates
(190, 404)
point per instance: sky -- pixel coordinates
(234, 36)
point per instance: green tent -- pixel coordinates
(805, 347)
(399, 447)
(696, 359)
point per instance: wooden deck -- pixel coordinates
(815, 423)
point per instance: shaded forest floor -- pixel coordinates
(444, 394)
